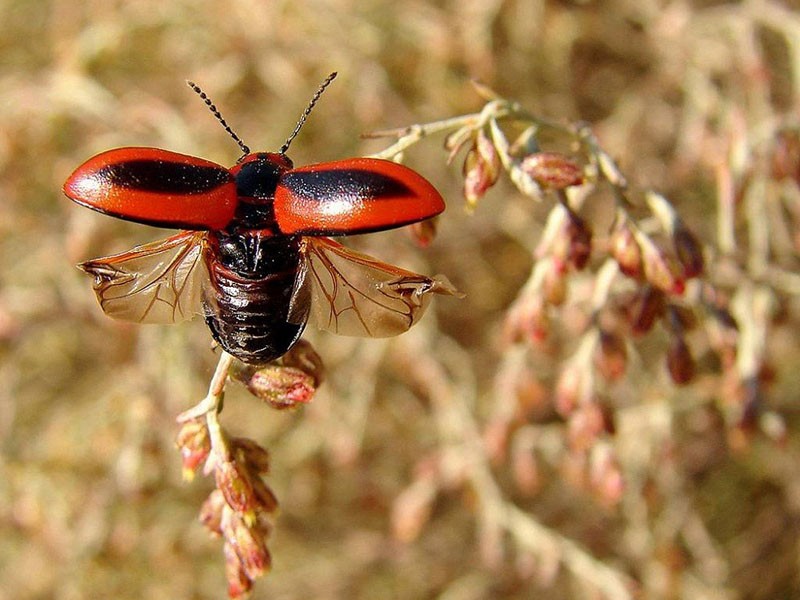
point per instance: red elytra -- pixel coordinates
(167, 189)
(156, 187)
(259, 265)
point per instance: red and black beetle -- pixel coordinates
(254, 256)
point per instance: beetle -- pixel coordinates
(255, 254)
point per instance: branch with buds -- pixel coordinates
(241, 507)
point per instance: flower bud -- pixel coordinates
(680, 363)
(248, 544)
(456, 140)
(236, 486)
(786, 155)
(211, 512)
(281, 387)
(552, 170)
(239, 584)
(611, 356)
(267, 501)
(572, 243)
(527, 320)
(554, 286)
(645, 308)
(481, 168)
(194, 445)
(585, 425)
(605, 475)
(688, 251)
(255, 458)
(659, 269)
(525, 469)
(423, 232)
(303, 356)
(570, 389)
(580, 242)
(625, 249)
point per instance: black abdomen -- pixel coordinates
(247, 304)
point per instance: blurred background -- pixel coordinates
(433, 465)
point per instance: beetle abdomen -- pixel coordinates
(248, 316)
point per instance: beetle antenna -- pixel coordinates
(215, 111)
(307, 111)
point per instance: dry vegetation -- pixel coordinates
(529, 440)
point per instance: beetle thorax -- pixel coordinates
(256, 178)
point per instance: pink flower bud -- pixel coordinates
(282, 387)
(569, 389)
(577, 242)
(527, 320)
(585, 425)
(552, 170)
(249, 545)
(625, 249)
(659, 269)
(303, 356)
(481, 168)
(554, 286)
(239, 584)
(211, 512)
(194, 445)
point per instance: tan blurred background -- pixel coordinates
(91, 500)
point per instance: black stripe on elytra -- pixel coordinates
(164, 177)
(348, 183)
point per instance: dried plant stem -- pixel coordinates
(467, 455)
(211, 405)
(492, 111)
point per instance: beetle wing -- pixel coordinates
(156, 187)
(355, 195)
(159, 282)
(354, 294)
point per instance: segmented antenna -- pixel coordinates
(215, 111)
(307, 112)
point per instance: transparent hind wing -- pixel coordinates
(357, 295)
(160, 282)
